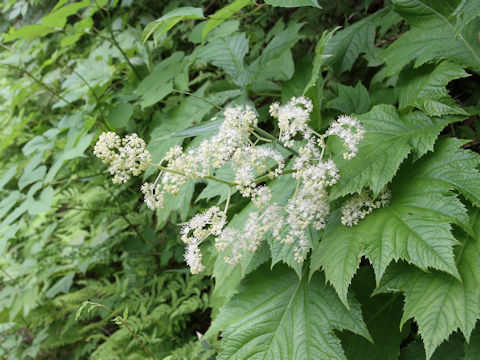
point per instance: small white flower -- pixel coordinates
(350, 130)
(292, 118)
(126, 157)
(359, 206)
(154, 196)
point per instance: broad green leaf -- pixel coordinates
(424, 88)
(214, 188)
(43, 204)
(7, 176)
(120, 114)
(439, 303)
(227, 53)
(472, 350)
(281, 42)
(415, 226)
(30, 177)
(382, 314)
(435, 33)
(345, 46)
(196, 130)
(351, 100)
(159, 83)
(389, 138)
(169, 20)
(223, 14)
(293, 3)
(291, 319)
(58, 17)
(319, 59)
(61, 286)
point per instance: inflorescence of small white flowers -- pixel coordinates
(194, 232)
(253, 165)
(154, 196)
(359, 206)
(350, 130)
(293, 118)
(126, 156)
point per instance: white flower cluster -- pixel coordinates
(310, 205)
(253, 165)
(350, 130)
(250, 161)
(359, 206)
(292, 118)
(126, 156)
(251, 235)
(195, 231)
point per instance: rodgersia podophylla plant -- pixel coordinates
(240, 141)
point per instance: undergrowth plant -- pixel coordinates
(291, 179)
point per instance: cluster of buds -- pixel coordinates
(253, 165)
(126, 156)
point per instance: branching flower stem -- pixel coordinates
(208, 177)
(266, 135)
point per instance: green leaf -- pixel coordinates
(169, 20)
(291, 319)
(439, 303)
(223, 14)
(473, 348)
(382, 314)
(43, 204)
(196, 130)
(319, 59)
(415, 226)
(159, 83)
(351, 100)
(293, 3)
(61, 286)
(388, 140)
(345, 46)
(424, 88)
(29, 177)
(120, 114)
(227, 53)
(436, 33)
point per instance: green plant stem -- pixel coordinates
(124, 324)
(41, 83)
(114, 39)
(99, 105)
(265, 134)
(209, 177)
(228, 199)
(199, 97)
(266, 177)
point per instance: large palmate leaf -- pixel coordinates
(276, 315)
(389, 138)
(438, 31)
(439, 303)
(424, 88)
(415, 226)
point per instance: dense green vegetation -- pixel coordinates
(88, 271)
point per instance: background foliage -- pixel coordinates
(409, 69)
